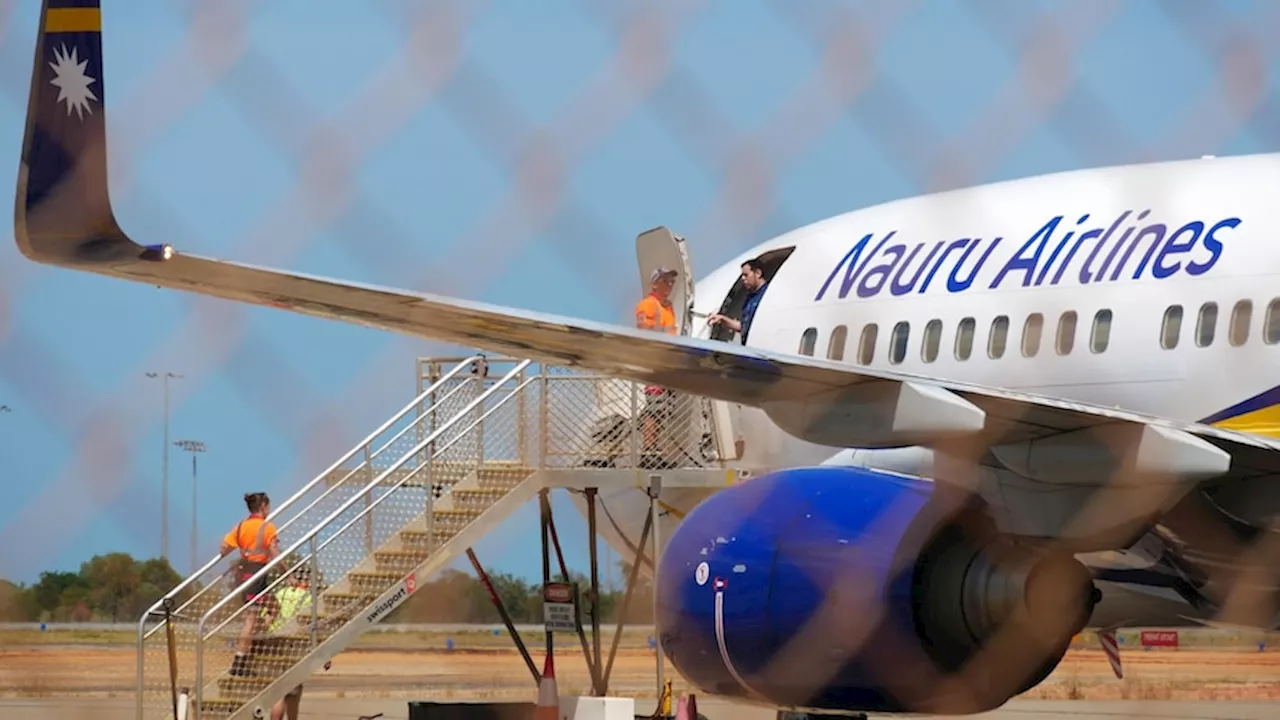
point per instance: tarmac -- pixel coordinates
(351, 709)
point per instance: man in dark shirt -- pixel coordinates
(753, 281)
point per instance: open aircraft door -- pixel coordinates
(715, 429)
(660, 248)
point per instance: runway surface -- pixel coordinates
(350, 709)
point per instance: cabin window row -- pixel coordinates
(1064, 339)
(1206, 327)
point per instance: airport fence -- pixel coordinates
(132, 628)
(524, 155)
(1184, 638)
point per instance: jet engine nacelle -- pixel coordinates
(839, 588)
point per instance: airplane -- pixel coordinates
(985, 405)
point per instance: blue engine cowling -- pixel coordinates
(837, 588)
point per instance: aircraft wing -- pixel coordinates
(63, 217)
(809, 397)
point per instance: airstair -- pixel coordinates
(482, 438)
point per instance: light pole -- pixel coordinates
(164, 477)
(195, 447)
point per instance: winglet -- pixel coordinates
(62, 213)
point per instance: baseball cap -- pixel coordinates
(661, 273)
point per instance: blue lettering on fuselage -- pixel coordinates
(1127, 247)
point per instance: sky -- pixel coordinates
(510, 152)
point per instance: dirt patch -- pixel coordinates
(501, 674)
(472, 672)
(1086, 674)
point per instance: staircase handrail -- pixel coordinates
(368, 509)
(167, 598)
(274, 562)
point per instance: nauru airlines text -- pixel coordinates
(1089, 252)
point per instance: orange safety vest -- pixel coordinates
(652, 314)
(252, 537)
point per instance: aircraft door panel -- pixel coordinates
(661, 248)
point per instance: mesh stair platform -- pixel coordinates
(479, 442)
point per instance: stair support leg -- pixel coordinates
(506, 617)
(626, 601)
(597, 679)
(544, 505)
(592, 667)
(655, 489)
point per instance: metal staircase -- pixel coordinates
(356, 541)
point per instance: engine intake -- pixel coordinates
(837, 588)
(974, 589)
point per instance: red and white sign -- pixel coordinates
(558, 593)
(559, 611)
(1159, 638)
(411, 583)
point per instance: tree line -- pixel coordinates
(108, 588)
(459, 597)
(118, 588)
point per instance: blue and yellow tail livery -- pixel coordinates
(63, 209)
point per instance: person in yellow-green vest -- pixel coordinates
(292, 597)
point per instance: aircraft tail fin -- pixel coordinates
(63, 209)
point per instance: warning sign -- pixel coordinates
(560, 607)
(1159, 638)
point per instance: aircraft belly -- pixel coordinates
(1136, 606)
(1091, 517)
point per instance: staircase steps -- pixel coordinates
(360, 588)
(219, 708)
(360, 575)
(476, 499)
(398, 561)
(342, 603)
(423, 539)
(501, 478)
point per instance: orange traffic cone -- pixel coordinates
(548, 696)
(688, 708)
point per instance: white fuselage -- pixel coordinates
(1232, 259)
(984, 267)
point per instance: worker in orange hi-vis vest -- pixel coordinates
(655, 312)
(255, 539)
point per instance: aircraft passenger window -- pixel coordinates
(1100, 337)
(932, 339)
(1066, 332)
(1031, 334)
(1241, 316)
(808, 341)
(964, 339)
(999, 337)
(867, 344)
(1206, 324)
(835, 348)
(1171, 328)
(1271, 325)
(898, 342)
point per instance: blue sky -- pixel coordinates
(512, 157)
